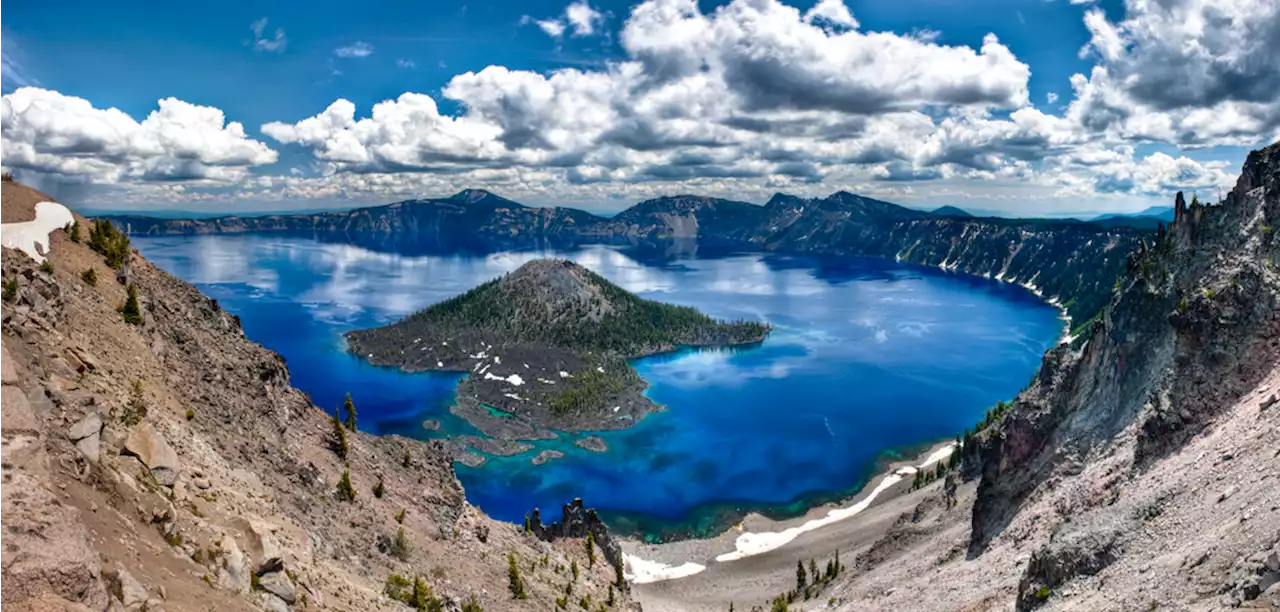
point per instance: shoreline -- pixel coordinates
(759, 535)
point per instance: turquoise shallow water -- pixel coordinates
(866, 355)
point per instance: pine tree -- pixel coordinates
(527, 529)
(75, 231)
(350, 407)
(131, 311)
(515, 583)
(814, 577)
(837, 561)
(619, 579)
(800, 576)
(591, 549)
(573, 566)
(378, 489)
(346, 492)
(339, 437)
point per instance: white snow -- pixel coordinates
(564, 374)
(497, 360)
(749, 544)
(514, 379)
(640, 571)
(439, 364)
(514, 397)
(600, 369)
(26, 235)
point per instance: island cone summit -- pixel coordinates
(549, 344)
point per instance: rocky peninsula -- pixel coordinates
(546, 347)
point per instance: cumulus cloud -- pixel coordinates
(356, 49)
(833, 12)
(49, 133)
(261, 42)
(551, 27)
(583, 18)
(1190, 72)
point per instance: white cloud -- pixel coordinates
(1051, 98)
(583, 18)
(551, 27)
(273, 44)
(406, 63)
(48, 133)
(1190, 72)
(833, 12)
(356, 49)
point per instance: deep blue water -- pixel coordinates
(866, 355)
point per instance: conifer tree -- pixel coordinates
(131, 311)
(350, 408)
(814, 577)
(573, 566)
(346, 492)
(800, 576)
(515, 583)
(379, 489)
(339, 437)
(591, 549)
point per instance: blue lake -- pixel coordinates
(866, 356)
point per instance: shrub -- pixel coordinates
(400, 516)
(90, 277)
(130, 311)
(191, 414)
(75, 231)
(47, 267)
(591, 549)
(400, 546)
(1043, 593)
(10, 289)
(397, 587)
(514, 582)
(109, 242)
(471, 604)
(346, 492)
(378, 489)
(573, 566)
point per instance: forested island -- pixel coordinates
(546, 347)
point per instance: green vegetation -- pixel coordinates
(586, 390)
(131, 312)
(46, 267)
(608, 319)
(109, 242)
(802, 578)
(10, 289)
(471, 604)
(339, 441)
(1043, 593)
(591, 550)
(400, 516)
(417, 595)
(379, 489)
(573, 566)
(191, 414)
(514, 582)
(349, 407)
(136, 408)
(346, 492)
(74, 232)
(400, 546)
(90, 277)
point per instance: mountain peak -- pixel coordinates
(951, 211)
(473, 196)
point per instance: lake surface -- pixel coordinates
(866, 356)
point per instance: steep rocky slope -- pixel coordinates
(1073, 262)
(1139, 471)
(170, 465)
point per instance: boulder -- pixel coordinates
(16, 417)
(8, 371)
(126, 588)
(278, 584)
(275, 604)
(234, 573)
(89, 426)
(145, 443)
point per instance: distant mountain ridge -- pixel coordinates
(1070, 262)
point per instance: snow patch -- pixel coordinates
(640, 571)
(513, 380)
(750, 544)
(32, 237)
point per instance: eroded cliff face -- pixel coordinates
(171, 465)
(1073, 264)
(1192, 327)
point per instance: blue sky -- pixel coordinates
(1001, 136)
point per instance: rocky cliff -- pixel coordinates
(154, 458)
(1071, 262)
(1140, 470)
